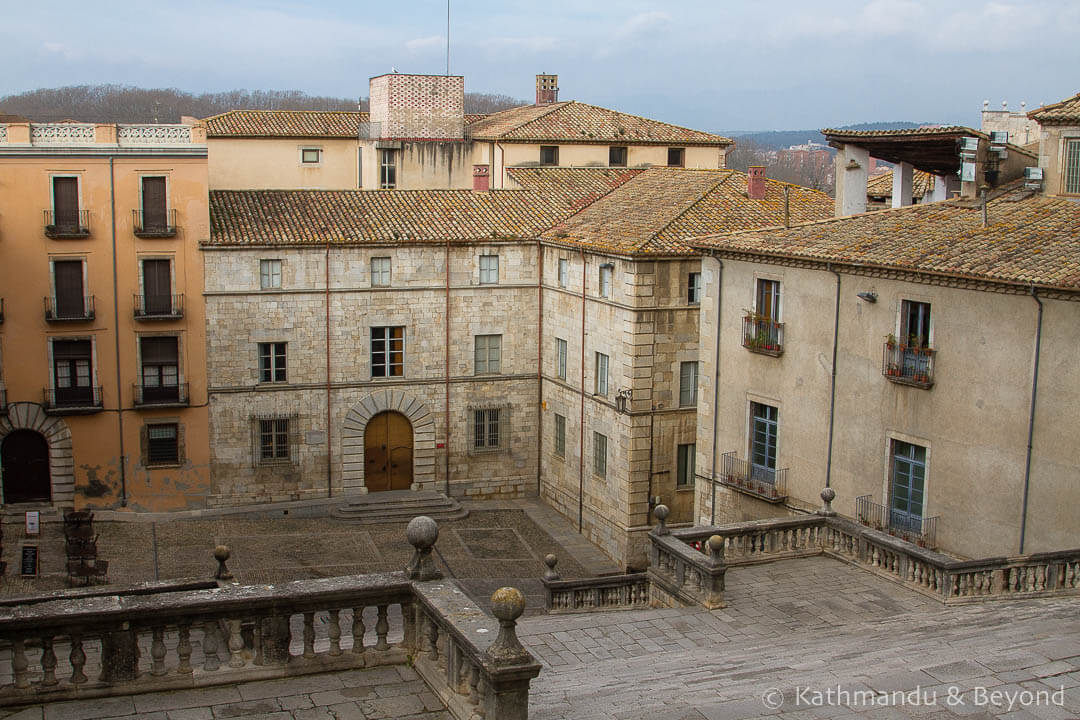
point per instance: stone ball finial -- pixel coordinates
(827, 496)
(221, 554)
(715, 544)
(551, 573)
(507, 605)
(422, 532)
(660, 512)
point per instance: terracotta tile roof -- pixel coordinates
(655, 212)
(1066, 112)
(909, 132)
(573, 121)
(573, 187)
(881, 185)
(285, 123)
(1029, 240)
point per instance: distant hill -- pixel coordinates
(780, 139)
(126, 104)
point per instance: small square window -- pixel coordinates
(676, 157)
(693, 288)
(487, 354)
(688, 381)
(560, 435)
(274, 441)
(310, 156)
(560, 368)
(600, 454)
(272, 362)
(605, 280)
(269, 274)
(617, 156)
(601, 387)
(564, 272)
(489, 269)
(380, 272)
(549, 154)
(162, 444)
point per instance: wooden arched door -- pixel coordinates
(388, 446)
(24, 456)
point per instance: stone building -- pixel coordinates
(102, 357)
(917, 360)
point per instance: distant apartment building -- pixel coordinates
(102, 354)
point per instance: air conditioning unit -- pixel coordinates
(1033, 178)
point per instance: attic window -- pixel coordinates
(617, 156)
(676, 157)
(310, 156)
(549, 154)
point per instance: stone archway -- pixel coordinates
(352, 438)
(31, 416)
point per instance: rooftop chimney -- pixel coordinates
(547, 89)
(755, 182)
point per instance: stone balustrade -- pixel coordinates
(679, 573)
(760, 541)
(90, 134)
(94, 645)
(611, 592)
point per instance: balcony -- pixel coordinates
(159, 307)
(765, 484)
(64, 310)
(3, 400)
(154, 224)
(921, 531)
(763, 335)
(161, 395)
(81, 400)
(1, 311)
(908, 364)
(67, 227)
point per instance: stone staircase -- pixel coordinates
(397, 506)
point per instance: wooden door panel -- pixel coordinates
(25, 459)
(388, 452)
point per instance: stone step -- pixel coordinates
(399, 506)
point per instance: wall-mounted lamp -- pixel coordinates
(621, 397)
(870, 297)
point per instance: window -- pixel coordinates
(686, 459)
(617, 156)
(73, 373)
(310, 156)
(693, 288)
(269, 274)
(162, 444)
(600, 454)
(160, 373)
(487, 354)
(157, 287)
(487, 428)
(564, 272)
(387, 351)
(763, 442)
(274, 440)
(605, 280)
(66, 216)
(676, 157)
(549, 154)
(601, 374)
(560, 368)
(560, 435)
(688, 381)
(908, 486)
(1071, 180)
(380, 272)
(155, 213)
(767, 301)
(387, 169)
(272, 362)
(915, 324)
(489, 269)
(68, 285)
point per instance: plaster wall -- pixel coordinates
(1052, 155)
(275, 164)
(507, 155)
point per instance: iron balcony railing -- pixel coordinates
(919, 530)
(147, 395)
(63, 310)
(766, 483)
(908, 364)
(155, 224)
(3, 399)
(1, 311)
(159, 307)
(80, 399)
(77, 227)
(763, 335)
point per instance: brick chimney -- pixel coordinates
(755, 182)
(480, 178)
(417, 107)
(547, 89)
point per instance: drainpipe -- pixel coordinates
(581, 421)
(446, 385)
(1031, 418)
(716, 391)
(832, 390)
(329, 433)
(539, 360)
(116, 335)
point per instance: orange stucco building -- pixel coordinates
(102, 342)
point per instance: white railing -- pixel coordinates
(61, 134)
(143, 135)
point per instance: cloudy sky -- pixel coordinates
(728, 65)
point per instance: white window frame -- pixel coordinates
(688, 383)
(381, 271)
(79, 187)
(267, 272)
(304, 149)
(1066, 167)
(272, 355)
(607, 273)
(387, 365)
(384, 154)
(560, 358)
(600, 447)
(75, 258)
(564, 272)
(693, 288)
(489, 275)
(600, 385)
(487, 354)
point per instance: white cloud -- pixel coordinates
(426, 43)
(641, 23)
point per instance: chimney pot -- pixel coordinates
(755, 182)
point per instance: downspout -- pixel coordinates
(539, 361)
(716, 391)
(446, 375)
(652, 422)
(832, 391)
(1031, 419)
(329, 432)
(501, 166)
(581, 421)
(116, 334)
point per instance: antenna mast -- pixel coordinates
(447, 37)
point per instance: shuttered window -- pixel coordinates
(1072, 166)
(66, 203)
(157, 287)
(162, 446)
(160, 369)
(154, 205)
(688, 381)
(68, 280)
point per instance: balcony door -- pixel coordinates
(72, 373)
(160, 369)
(908, 486)
(24, 456)
(66, 204)
(68, 281)
(763, 442)
(153, 204)
(157, 286)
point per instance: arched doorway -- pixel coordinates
(388, 452)
(24, 456)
